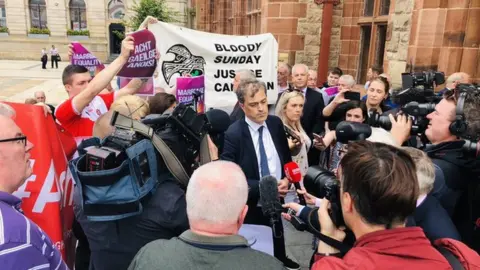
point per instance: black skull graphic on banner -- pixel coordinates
(184, 62)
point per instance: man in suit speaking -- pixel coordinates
(258, 144)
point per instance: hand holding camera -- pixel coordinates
(327, 226)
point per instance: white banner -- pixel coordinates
(217, 57)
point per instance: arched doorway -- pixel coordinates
(116, 34)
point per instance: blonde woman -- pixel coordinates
(289, 109)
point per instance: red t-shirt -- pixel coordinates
(81, 123)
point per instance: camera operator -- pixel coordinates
(378, 191)
(455, 174)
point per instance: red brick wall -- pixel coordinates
(445, 35)
(350, 37)
(280, 18)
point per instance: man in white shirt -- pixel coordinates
(258, 144)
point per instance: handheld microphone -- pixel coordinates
(294, 176)
(269, 200)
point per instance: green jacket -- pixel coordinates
(193, 251)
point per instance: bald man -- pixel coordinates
(213, 241)
(41, 98)
(453, 80)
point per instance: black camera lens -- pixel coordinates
(316, 179)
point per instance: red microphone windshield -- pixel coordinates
(293, 173)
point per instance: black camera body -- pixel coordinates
(417, 99)
(111, 153)
(322, 183)
(185, 125)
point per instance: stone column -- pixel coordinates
(57, 18)
(16, 17)
(398, 33)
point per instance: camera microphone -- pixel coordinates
(269, 201)
(294, 176)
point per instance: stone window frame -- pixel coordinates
(213, 15)
(114, 8)
(230, 16)
(39, 8)
(376, 22)
(254, 13)
(3, 14)
(81, 12)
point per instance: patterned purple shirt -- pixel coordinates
(23, 245)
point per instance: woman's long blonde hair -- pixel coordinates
(282, 105)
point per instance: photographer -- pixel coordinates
(378, 191)
(455, 179)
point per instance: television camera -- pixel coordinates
(417, 99)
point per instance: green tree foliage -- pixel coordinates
(155, 8)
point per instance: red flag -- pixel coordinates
(47, 195)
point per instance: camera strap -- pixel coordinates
(171, 161)
(343, 248)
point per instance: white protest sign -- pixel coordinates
(217, 57)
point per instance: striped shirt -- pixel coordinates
(23, 245)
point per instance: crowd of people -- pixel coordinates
(402, 207)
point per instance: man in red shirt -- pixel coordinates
(378, 190)
(85, 104)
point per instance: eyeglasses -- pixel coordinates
(22, 139)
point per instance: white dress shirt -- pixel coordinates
(274, 165)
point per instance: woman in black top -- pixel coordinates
(377, 93)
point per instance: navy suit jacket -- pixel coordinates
(434, 220)
(236, 114)
(312, 117)
(238, 148)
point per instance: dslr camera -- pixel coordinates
(323, 183)
(417, 99)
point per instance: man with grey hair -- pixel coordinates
(216, 210)
(23, 245)
(429, 214)
(312, 119)
(258, 144)
(453, 80)
(40, 97)
(284, 72)
(240, 75)
(334, 111)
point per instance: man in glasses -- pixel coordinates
(23, 245)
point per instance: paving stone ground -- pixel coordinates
(20, 79)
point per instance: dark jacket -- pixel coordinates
(237, 113)
(238, 148)
(455, 180)
(312, 117)
(434, 220)
(194, 251)
(115, 243)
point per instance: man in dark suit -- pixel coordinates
(240, 75)
(258, 144)
(312, 118)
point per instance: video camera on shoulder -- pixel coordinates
(183, 123)
(417, 99)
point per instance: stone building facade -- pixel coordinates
(400, 35)
(102, 18)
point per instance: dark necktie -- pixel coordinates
(263, 155)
